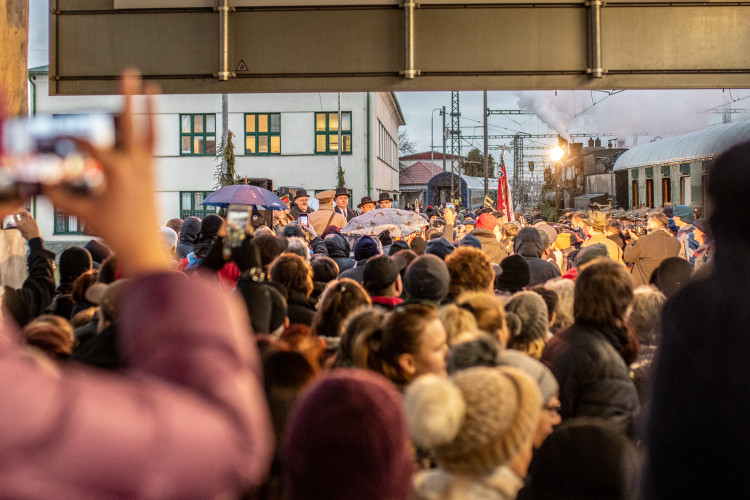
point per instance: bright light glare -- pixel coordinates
(556, 153)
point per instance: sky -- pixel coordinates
(633, 116)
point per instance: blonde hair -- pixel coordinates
(459, 323)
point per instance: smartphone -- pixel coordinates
(302, 221)
(10, 222)
(452, 206)
(41, 150)
(237, 218)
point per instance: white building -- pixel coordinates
(289, 138)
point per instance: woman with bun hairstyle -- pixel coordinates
(410, 342)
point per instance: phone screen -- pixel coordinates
(303, 220)
(40, 150)
(10, 222)
(452, 206)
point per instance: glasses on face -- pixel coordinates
(553, 407)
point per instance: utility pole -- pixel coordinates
(455, 142)
(224, 130)
(486, 149)
(444, 134)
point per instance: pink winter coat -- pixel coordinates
(186, 420)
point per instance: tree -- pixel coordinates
(406, 146)
(473, 165)
(225, 155)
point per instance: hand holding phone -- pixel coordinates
(303, 220)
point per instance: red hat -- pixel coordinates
(486, 221)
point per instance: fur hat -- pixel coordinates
(532, 311)
(347, 439)
(476, 420)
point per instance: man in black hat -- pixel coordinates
(385, 200)
(300, 204)
(342, 204)
(366, 205)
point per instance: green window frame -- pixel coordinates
(327, 132)
(190, 204)
(262, 134)
(67, 224)
(197, 134)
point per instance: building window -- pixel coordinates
(190, 204)
(263, 133)
(327, 130)
(197, 135)
(666, 190)
(635, 203)
(67, 224)
(649, 192)
(685, 187)
(387, 147)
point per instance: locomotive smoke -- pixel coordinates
(554, 111)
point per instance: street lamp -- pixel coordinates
(432, 146)
(557, 154)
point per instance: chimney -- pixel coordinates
(591, 142)
(598, 143)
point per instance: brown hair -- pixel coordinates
(339, 299)
(603, 293)
(51, 334)
(81, 284)
(362, 322)
(294, 273)
(470, 270)
(401, 332)
(510, 230)
(660, 218)
(488, 310)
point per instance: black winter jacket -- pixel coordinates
(594, 378)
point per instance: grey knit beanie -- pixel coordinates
(532, 311)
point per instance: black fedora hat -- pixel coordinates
(365, 201)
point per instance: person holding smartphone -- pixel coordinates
(187, 418)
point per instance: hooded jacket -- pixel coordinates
(528, 244)
(339, 250)
(188, 233)
(494, 250)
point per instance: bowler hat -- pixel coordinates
(384, 197)
(342, 192)
(365, 201)
(301, 193)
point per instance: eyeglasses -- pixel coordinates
(553, 407)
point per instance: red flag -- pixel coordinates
(503, 201)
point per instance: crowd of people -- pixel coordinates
(475, 358)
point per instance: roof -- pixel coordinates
(702, 144)
(434, 155)
(418, 174)
(39, 70)
(402, 120)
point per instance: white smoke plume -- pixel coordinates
(556, 111)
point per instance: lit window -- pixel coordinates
(263, 133)
(327, 132)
